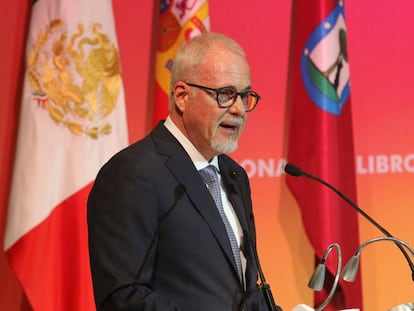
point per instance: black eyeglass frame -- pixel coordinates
(220, 90)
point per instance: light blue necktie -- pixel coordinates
(210, 177)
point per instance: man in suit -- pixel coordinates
(157, 238)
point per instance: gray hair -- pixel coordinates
(191, 54)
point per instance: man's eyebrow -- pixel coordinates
(247, 88)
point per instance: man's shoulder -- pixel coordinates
(227, 161)
(144, 145)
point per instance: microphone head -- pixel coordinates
(179, 191)
(293, 170)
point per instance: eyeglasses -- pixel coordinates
(227, 96)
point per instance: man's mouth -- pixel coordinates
(232, 125)
(229, 126)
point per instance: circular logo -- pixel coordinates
(324, 64)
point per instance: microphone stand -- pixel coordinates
(350, 270)
(318, 277)
(294, 170)
(264, 286)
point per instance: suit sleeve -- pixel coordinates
(122, 228)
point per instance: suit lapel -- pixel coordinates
(202, 201)
(233, 189)
(181, 166)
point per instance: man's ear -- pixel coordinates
(180, 93)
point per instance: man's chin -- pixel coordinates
(225, 147)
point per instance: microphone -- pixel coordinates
(265, 287)
(317, 279)
(179, 191)
(294, 170)
(351, 268)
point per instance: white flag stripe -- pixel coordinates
(52, 162)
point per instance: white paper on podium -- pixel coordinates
(303, 307)
(404, 307)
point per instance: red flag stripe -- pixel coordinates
(320, 140)
(50, 259)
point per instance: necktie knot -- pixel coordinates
(209, 174)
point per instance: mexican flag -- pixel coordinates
(72, 120)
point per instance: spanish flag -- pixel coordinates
(178, 22)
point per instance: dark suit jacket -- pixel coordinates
(156, 239)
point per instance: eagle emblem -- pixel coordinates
(75, 77)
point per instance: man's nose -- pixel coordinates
(239, 106)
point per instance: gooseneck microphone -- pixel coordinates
(267, 293)
(294, 170)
